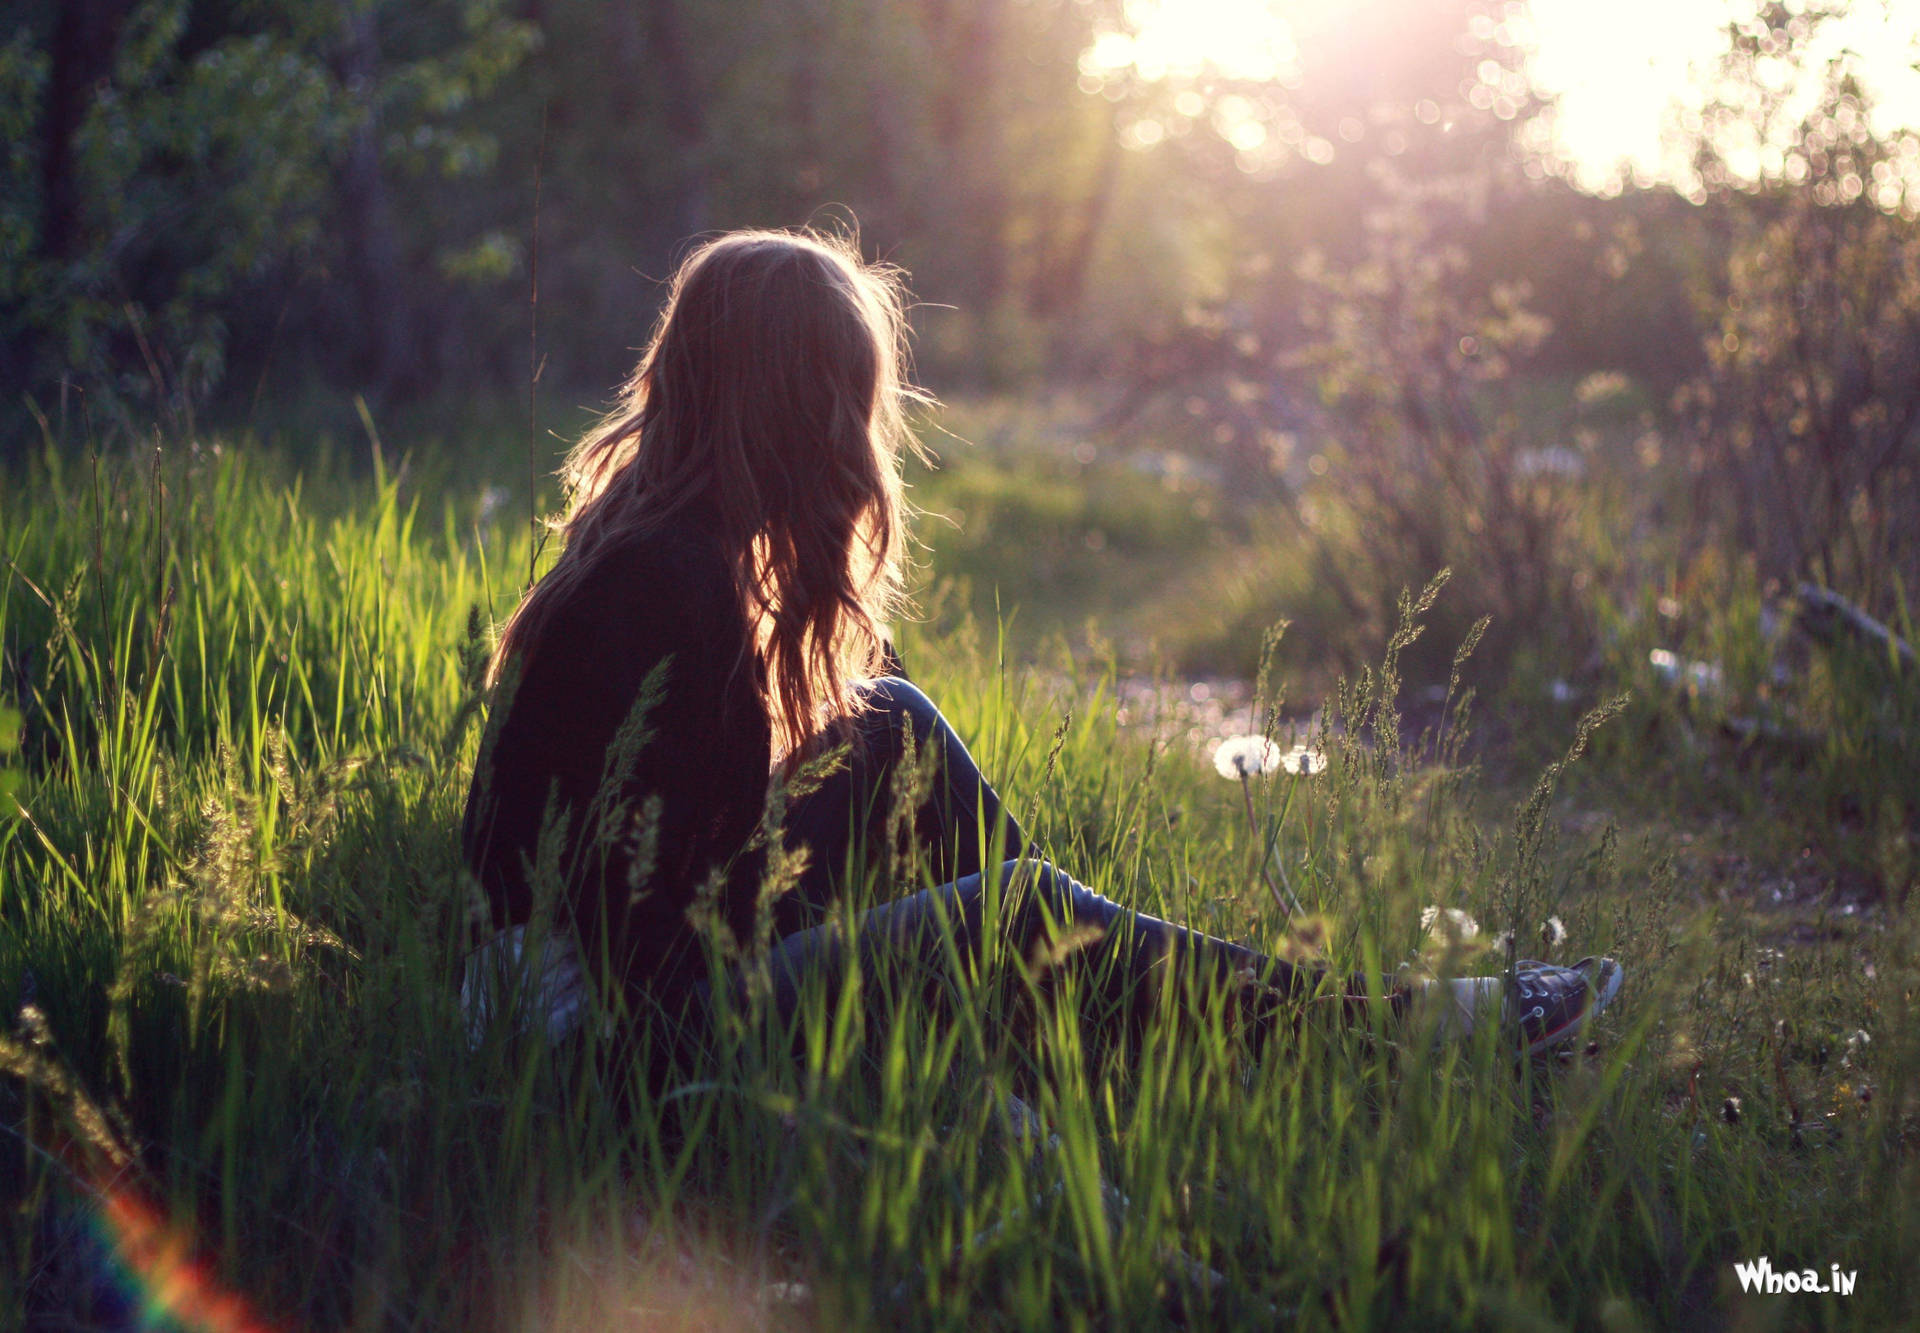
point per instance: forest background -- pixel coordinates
(1353, 290)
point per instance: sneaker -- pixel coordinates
(1549, 1003)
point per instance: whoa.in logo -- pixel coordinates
(1759, 1276)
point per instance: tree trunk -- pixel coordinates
(686, 119)
(384, 358)
(1059, 284)
(966, 41)
(803, 101)
(85, 34)
(82, 45)
(626, 48)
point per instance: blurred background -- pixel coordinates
(1242, 309)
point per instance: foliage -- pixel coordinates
(1804, 444)
(206, 167)
(9, 747)
(1432, 456)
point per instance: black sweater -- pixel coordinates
(660, 604)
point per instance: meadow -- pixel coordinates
(242, 702)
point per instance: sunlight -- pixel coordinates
(1236, 39)
(1626, 75)
(1623, 75)
(1617, 72)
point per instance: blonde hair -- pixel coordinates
(774, 387)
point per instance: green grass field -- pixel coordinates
(239, 1092)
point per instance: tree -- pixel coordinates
(1805, 439)
(181, 159)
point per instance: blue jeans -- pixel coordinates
(961, 827)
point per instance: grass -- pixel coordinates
(231, 916)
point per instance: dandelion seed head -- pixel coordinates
(1302, 761)
(1451, 922)
(1245, 757)
(1554, 932)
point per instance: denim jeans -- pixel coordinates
(962, 828)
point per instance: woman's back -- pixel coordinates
(628, 755)
(734, 523)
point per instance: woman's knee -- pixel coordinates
(896, 696)
(894, 708)
(1065, 899)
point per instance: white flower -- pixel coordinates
(1451, 921)
(1302, 762)
(1554, 932)
(1245, 757)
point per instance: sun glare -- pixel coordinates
(1626, 74)
(1623, 74)
(1236, 39)
(1614, 71)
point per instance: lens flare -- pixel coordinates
(157, 1261)
(153, 1263)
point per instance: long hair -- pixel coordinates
(773, 389)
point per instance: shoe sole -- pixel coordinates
(1608, 986)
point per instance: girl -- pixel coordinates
(713, 631)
